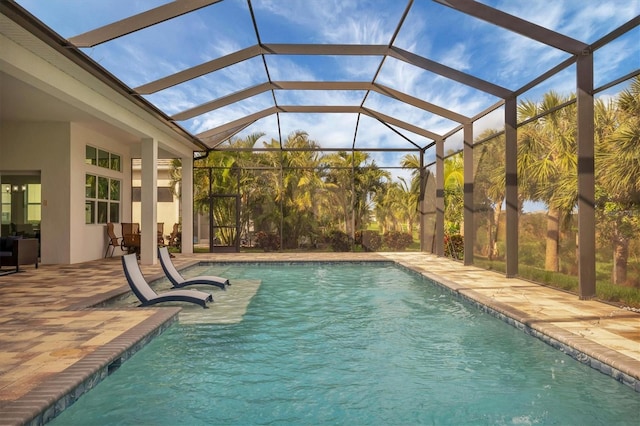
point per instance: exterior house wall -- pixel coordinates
(53, 140)
(44, 147)
(57, 151)
(93, 239)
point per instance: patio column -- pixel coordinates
(586, 179)
(440, 197)
(149, 205)
(186, 205)
(426, 208)
(469, 229)
(511, 189)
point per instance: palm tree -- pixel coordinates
(226, 169)
(453, 193)
(618, 174)
(353, 180)
(300, 184)
(489, 184)
(407, 202)
(547, 161)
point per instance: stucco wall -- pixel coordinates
(43, 147)
(57, 151)
(92, 239)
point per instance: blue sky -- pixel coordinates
(431, 30)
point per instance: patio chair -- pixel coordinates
(148, 296)
(160, 232)
(179, 281)
(173, 240)
(130, 237)
(114, 241)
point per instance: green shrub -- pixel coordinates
(370, 240)
(268, 241)
(397, 240)
(339, 241)
(454, 246)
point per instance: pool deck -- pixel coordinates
(54, 345)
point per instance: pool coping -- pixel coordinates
(55, 394)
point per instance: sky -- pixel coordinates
(431, 30)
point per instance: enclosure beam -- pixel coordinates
(440, 197)
(511, 185)
(317, 85)
(314, 109)
(137, 22)
(586, 179)
(516, 25)
(468, 227)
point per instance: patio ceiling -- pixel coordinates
(218, 79)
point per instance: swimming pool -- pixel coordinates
(351, 344)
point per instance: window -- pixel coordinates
(102, 158)
(90, 157)
(165, 194)
(34, 195)
(102, 199)
(6, 204)
(115, 162)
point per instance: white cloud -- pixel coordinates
(456, 57)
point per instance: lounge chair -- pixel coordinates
(179, 281)
(148, 296)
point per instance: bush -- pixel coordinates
(397, 240)
(371, 240)
(268, 241)
(339, 241)
(454, 246)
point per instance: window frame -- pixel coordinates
(100, 207)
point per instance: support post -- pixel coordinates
(427, 208)
(469, 228)
(586, 178)
(511, 182)
(149, 202)
(440, 197)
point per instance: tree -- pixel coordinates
(300, 186)
(223, 172)
(453, 193)
(618, 174)
(489, 184)
(353, 180)
(547, 162)
(412, 191)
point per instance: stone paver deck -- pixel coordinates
(54, 345)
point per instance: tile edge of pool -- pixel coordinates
(42, 404)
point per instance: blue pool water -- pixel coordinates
(352, 344)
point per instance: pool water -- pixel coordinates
(351, 344)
